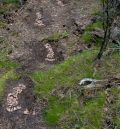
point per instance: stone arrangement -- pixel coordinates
(51, 54)
(12, 103)
(38, 21)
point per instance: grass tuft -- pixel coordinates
(94, 26)
(87, 37)
(10, 1)
(4, 52)
(55, 37)
(2, 24)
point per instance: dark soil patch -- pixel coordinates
(26, 99)
(39, 52)
(32, 15)
(40, 56)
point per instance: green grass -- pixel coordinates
(87, 37)
(116, 107)
(72, 114)
(111, 65)
(64, 109)
(4, 52)
(10, 1)
(8, 6)
(94, 26)
(8, 64)
(55, 37)
(65, 74)
(91, 113)
(2, 24)
(4, 77)
(54, 111)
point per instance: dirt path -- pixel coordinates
(20, 109)
(36, 21)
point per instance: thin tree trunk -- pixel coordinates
(106, 27)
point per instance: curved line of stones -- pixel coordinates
(51, 55)
(38, 21)
(12, 103)
(12, 98)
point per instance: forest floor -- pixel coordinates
(43, 57)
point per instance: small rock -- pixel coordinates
(26, 112)
(87, 81)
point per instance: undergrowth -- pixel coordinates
(87, 36)
(5, 49)
(65, 74)
(8, 5)
(10, 1)
(116, 107)
(6, 65)
(59, 86)
(56, 36)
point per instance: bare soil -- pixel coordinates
(19, 119)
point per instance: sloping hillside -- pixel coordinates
(46, 48)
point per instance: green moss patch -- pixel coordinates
(67, 108)
(87, 36)
(4, 52)
(94, 26)
(2, 24)
(54, 111)
(10, 1)
(8, 64)
(116, 107)
(55, 37)
(9, 5)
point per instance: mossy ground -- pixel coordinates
(65, 74)
(59, 87)
(10, 1)
(7, 66)
(8, 5)
(5, 50)
(115, 107)
(87, 36)
(56, 36)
